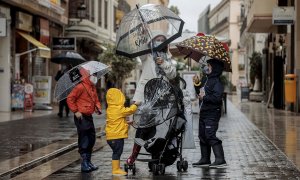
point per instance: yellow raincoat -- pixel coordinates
(116, 124)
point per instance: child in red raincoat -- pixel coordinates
(83, 101)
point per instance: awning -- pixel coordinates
(261, 24)
(42, 50)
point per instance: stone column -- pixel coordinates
(5, 62)
(297, 50)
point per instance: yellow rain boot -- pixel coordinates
(116, 170)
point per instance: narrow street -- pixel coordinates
(249, 154)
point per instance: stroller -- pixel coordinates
(162, 112)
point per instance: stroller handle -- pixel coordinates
(183, 81)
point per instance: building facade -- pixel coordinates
(25, 47)
(224, 22)
(203, 21)
(280, 50)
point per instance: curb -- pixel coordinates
(43, 159)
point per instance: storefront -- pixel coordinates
(5, 54)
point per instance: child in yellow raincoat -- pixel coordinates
(117, 126)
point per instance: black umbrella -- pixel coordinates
(68, 57)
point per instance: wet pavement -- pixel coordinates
(281, 127)
(249, 153)
(19, 137)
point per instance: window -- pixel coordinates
(105, 14)
(114, 18)
(99, 13)
(92, 10)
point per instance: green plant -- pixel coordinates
(255, 66)
(121, 66)
(224, 80)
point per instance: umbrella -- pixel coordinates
(68, 57)
(197, 47)
(140, 26)
(74, 76)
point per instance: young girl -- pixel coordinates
(117, 126)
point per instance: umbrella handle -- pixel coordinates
(188, 55)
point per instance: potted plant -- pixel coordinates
(256, 70)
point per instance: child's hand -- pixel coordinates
(137, 103)
(98, 111)
(78, 115)
(130, 122)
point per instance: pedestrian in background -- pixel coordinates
(83, 101)
(117, 126)
(63, 103)
(210, 91)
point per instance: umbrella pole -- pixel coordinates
(189, 64)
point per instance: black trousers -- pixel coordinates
(208, 126)
(62, 104)
(86, 134)
(117, 146)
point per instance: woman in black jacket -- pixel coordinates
(210, 91)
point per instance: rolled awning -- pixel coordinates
(42, 50)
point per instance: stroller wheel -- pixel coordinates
(126, 167)
(150, 166)
(185, 165)
(133, 169)
(179, 166)
(155, 169)
(161, 169)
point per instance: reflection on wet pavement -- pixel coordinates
(249, 154)
(281, 127)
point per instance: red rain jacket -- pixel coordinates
(83, 98)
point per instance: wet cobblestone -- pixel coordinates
(249, 154)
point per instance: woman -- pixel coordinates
(154, 65)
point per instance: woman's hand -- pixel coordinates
(159, 60)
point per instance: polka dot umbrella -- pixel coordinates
(198, 46)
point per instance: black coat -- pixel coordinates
(213, 87)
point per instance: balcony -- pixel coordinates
(220, 24)
(259, 18)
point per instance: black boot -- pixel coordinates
(205, 156)
(91, 165)
(219, 156)
(84, 164)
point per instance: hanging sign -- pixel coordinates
(283, 15)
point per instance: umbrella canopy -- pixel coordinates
(198, 46)
(141, 25)
(68, 57)
(76, 75)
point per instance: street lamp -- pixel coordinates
(81, 11)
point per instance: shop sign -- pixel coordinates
(24, 21)
(42, 89)
(283, 15)
(2, 27)
(44, 31)
(64, 43)
(28, 101)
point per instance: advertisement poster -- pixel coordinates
(17, 96)
(28, 102)
(42, 89)
(188, 77)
